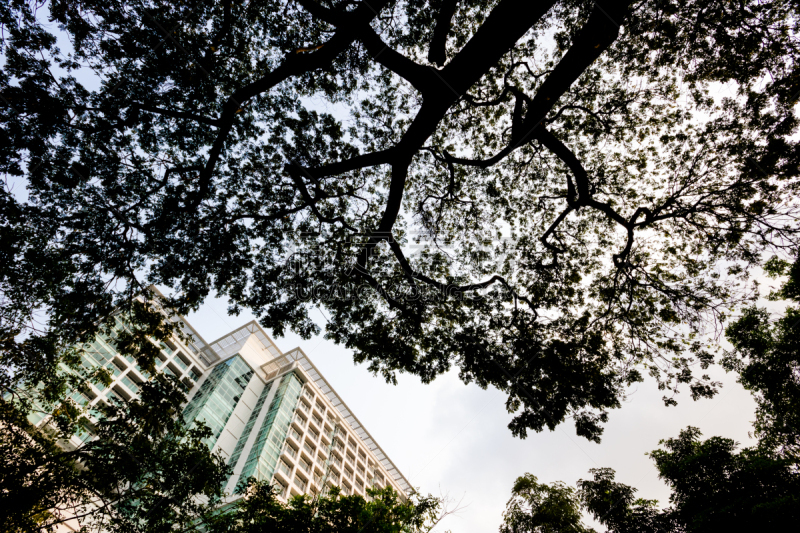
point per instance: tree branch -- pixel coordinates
(599, 32)
(437, 52)
(177, 114)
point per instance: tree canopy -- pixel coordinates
(541, 508)
(138, 467)
(553, 198)
(383, 511)
(715, 487)
(767, 357)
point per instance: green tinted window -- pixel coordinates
(217, 397)
(263, 456)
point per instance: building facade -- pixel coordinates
(273, 416)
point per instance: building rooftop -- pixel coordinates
(296, 358)
(279, 363)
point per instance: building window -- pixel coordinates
(290, 451)
(295, 435)
(262, 459)
(285, 468)
(218, 396)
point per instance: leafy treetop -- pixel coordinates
(636, 157)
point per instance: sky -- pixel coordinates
(451, 439)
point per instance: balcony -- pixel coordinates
(299, 420)
(284, 468)
(181, 363)
(281, 488)
(165, 348)
(128, 382)
(291, 452)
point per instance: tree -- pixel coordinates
(141, 469)
(259, 510)
(137, 467)
(634, 198)
(767, 357)
(613, 505)
(714, 486)
(540, 508)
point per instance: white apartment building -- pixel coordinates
(273, 415)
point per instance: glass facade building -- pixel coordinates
(271, 413)
(218, 395)
(254, 416)
(263, 456)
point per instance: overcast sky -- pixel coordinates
(450, 438)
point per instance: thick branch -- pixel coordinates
(292, 65)
(437, 53)
(505, 25)
(420, 77)
(417, 75)
(599, 32)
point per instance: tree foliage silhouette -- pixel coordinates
(554, 197)
(715, 486)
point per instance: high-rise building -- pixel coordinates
(272, 414)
